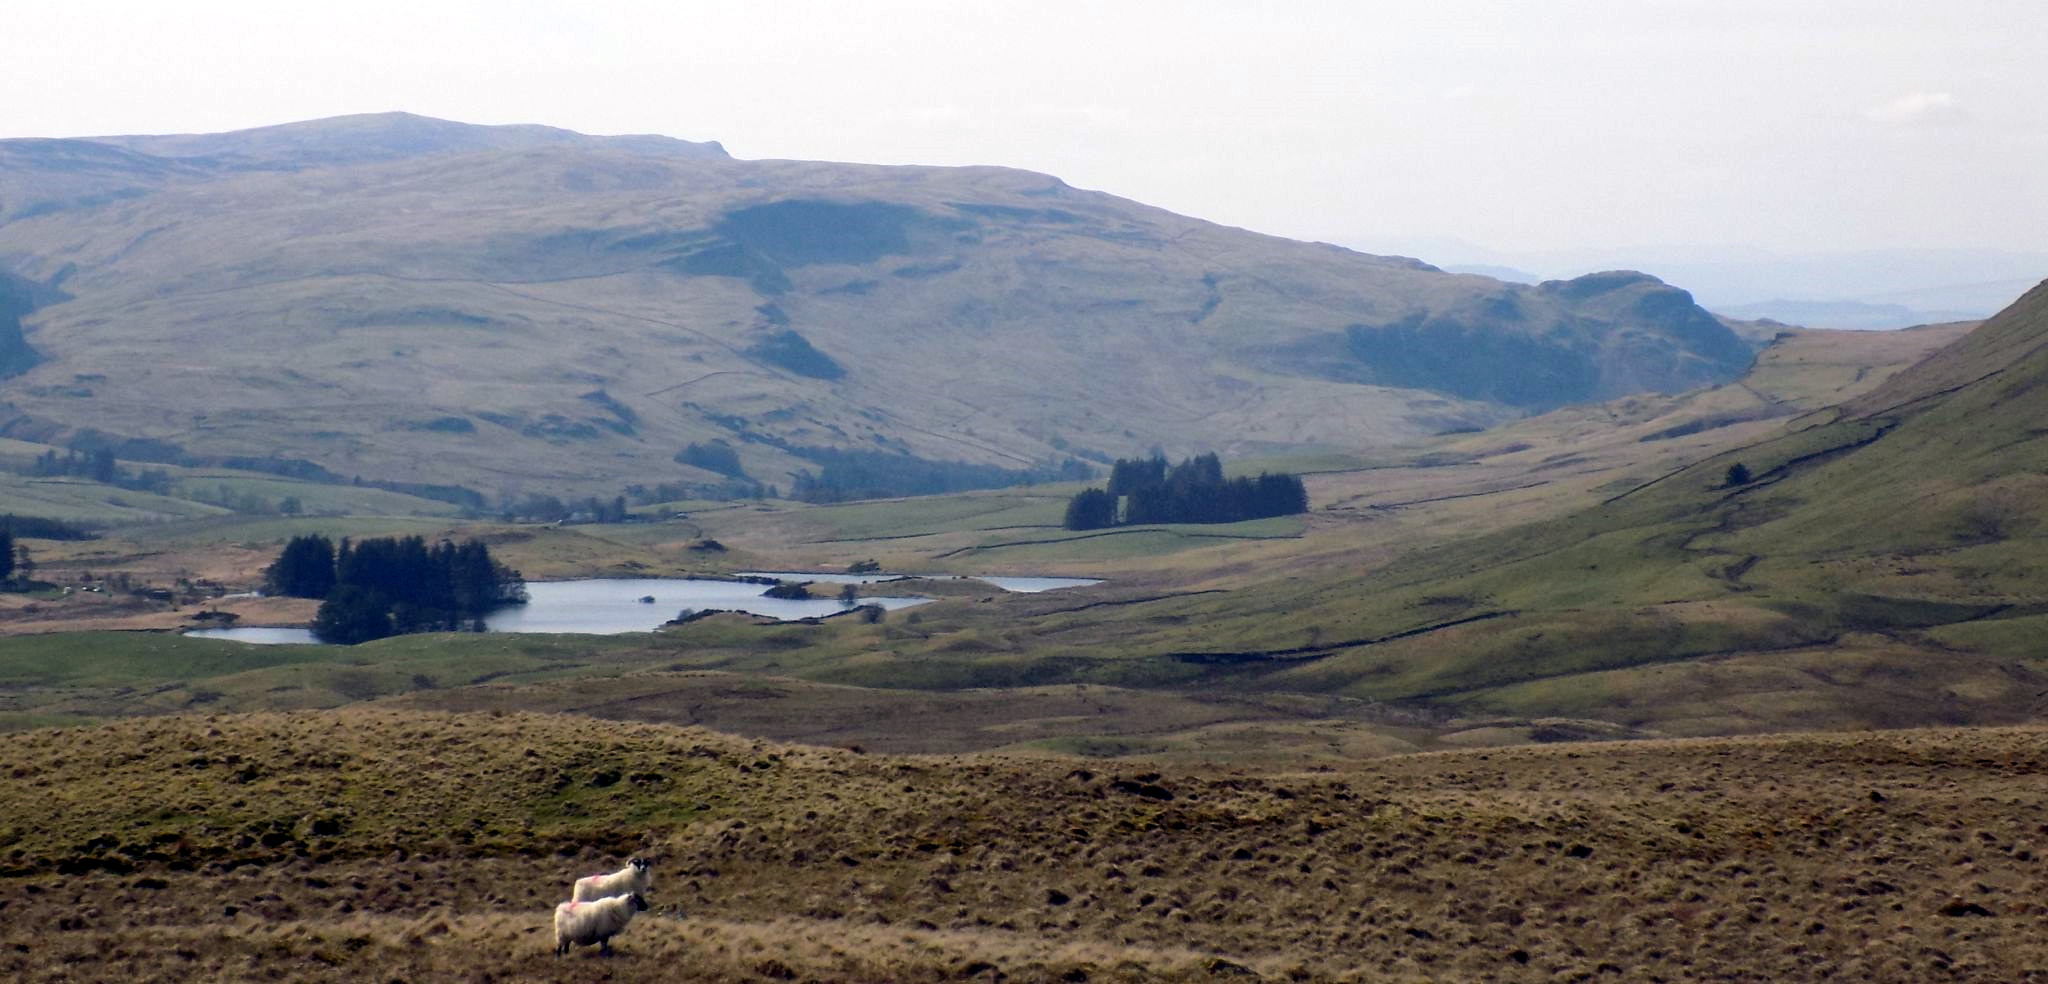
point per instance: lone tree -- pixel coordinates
(1738, 475)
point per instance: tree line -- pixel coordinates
(392, 585)
(1145, 491)
(99, 465)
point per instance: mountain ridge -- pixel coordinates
(365, 137)
(982, 314)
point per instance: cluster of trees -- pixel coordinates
(715, 456)
(540, 508)
(722, 458)
(1194, 491)
(44, 528)
(99, 465)
(793, 352)
(727, 491)
(244, 501)
(392, 585)
(469, 499)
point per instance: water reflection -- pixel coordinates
(604, 606)
(1021, 585)
(601, 606)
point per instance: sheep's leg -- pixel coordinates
(604, 947)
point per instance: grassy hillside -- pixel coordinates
(518, 309)
(1401, 602)
(1892, 536)
(370, 844)
(1473, 581)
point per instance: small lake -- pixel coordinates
(604, 606)
(1021, 585)
(262, 635)
(1033, 585)
(601, 606)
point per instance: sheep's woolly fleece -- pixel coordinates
(632, 879)
(585, 923)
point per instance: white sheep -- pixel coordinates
(584, 923)
(632, 879)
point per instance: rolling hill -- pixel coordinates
(1443, 594)
(522, 308)
(1880, 566)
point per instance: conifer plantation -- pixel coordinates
(392, 585)
(1193, 491)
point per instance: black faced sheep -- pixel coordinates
(629, 880)
(584, 923)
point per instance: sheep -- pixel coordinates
(629, 880)
(584, 923)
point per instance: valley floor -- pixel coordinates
(368, 844)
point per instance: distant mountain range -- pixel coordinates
(1857, 289)
(523, 308)
(1854, 315)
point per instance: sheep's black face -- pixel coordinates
(639, 864)
(639, 904)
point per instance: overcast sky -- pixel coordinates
(1564, 124)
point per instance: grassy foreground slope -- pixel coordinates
(370, 844)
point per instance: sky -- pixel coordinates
(1509, 126)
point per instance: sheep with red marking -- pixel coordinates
(632, 879)
(585, 923)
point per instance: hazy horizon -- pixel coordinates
(1829, 126)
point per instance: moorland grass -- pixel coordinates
(368, 843)
(89, 676)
